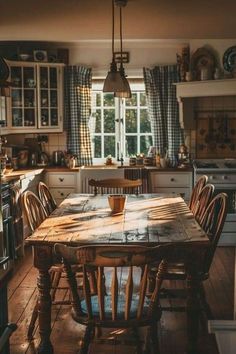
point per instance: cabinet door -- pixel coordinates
(23, 96)
(49, 86)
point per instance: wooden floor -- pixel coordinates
(66, 334)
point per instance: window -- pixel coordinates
(119, 126)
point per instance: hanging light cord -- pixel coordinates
(113, 27)
(121, 39)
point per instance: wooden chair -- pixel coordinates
(46, 198)
(120, 185)
(35, 214)
(196, 191)
(33, 209)
(118, 306)
(212, 223)
(203, 201)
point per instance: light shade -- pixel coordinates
(114, 81)
(126, 93)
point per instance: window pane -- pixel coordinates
(108, 99)
(131, 145)
(97, 146)
(109, 146)
(131, 120)
(97, 121)
(145, 126)
(98, 99)
(131, 101)
(145, 142)
(109, 120)
(143, 99)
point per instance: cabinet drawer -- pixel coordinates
(184, 192)
(67, 180)
(170, 180)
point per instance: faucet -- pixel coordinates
(121, 159)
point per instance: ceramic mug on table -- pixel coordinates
(117, 203)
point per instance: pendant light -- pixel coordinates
(126, 93)
(114, 81)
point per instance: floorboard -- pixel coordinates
(66, 334)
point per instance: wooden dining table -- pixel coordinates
(148, 219)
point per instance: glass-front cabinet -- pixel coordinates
(36, 97)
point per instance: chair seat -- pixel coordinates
(120, 307)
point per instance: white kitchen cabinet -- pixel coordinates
(174, 182)
(36, 102)
(61, 184)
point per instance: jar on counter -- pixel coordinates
(132, 161)
(72, 162)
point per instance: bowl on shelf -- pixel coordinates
(24, 56)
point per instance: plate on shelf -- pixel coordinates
(202, 58)
(229, 59)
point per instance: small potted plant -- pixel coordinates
(109, 160)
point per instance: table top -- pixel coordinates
(147, 219)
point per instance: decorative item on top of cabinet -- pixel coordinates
(36, 97)
(203, 64)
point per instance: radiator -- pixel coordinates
(85, 188)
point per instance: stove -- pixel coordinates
(218, 165)
(222, 174)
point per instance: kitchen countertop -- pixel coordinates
(24, 173)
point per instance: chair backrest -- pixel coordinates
(213, 223)
(196, 191)
(203, 201)
(116, 185)
(16, 202)
(109, 261)
(46, 198)
(33, 209)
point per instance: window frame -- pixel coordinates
(120, 123)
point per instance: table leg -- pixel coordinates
(193, 313)
(42, 261)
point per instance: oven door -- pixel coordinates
(228, 236)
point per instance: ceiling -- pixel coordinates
(76, 20)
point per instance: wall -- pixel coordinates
(55, 141)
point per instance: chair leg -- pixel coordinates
(33, 319)
(55, 279)
(154, 339)
(86, 340)
(204, 304)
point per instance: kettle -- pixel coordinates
(57, 158)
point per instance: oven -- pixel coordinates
(222, 174)
(7, 237)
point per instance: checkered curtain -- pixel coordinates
(163, 108)
(78, 83)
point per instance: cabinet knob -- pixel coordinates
(172, 179)
(61, 179)
(62, 194)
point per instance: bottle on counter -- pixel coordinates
(158, 159)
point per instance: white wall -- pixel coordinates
(149, 53)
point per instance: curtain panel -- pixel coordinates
(78, 85)
(163, 108)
